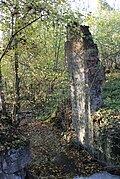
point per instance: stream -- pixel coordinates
(103, 175)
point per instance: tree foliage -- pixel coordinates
(33, 75)
(105, 27)
(32, 58)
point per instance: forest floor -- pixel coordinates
(52, 154)
(53, 157)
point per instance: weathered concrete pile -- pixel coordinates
(87, 75)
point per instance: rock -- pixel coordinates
(13, 163)
(63, 161)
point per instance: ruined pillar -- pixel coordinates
(86, 76)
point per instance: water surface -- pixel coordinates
(103, 175)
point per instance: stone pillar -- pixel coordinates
(86, 79)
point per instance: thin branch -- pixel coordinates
(12, 37)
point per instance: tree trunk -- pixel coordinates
(17, 80)
(2, 98)
(17, 85)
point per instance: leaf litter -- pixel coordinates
(53, 157)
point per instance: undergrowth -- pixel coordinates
(111, 90)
